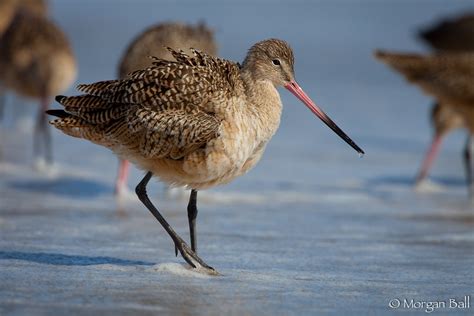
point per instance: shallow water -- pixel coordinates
(311, 229)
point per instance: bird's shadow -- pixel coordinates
(65, 186)
(68, 260)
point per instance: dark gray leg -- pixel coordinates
(179, 243)
(46, 131)
(48, 152)
(38, 132)
(468, 164)
(192, 214)
(42, 136)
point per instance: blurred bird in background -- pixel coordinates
(448, 77)
(8, 8)
(36, 61)
(452, 36)
(153, 42)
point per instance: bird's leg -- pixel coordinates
(192, 214)
(42, 131)
(180, 244)
(121, 182)
(47, 133)
(429, 158)
(468, 152)
(37, 133)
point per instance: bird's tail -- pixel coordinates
(87, 116)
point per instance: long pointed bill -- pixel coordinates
(429, 159)
(294, 88)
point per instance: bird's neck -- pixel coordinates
(260, 93)
(263, 102)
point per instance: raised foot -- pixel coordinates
(193, 259)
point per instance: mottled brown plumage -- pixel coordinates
(36, 59)
(199, 121)
(153, 42)
(167, 111)
(447, 76)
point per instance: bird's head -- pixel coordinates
(272, 60)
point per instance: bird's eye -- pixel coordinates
(276, 62)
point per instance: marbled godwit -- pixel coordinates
(448, 36)
(8, 8)
(448, 77)
(36, 62)
(152, 42)
(198, 122)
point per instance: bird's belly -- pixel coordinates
(224, 158)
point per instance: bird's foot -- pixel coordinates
(122, 192)
(192, 258)
(119, 190)
(45, 167)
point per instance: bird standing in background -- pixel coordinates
(153, 42)
(36, 62)
(449, 78)
(198, 122)
(452, 35)
(8, 8)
